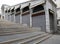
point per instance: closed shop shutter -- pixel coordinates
(39, 21)
(12, 18)
(26, 19)
(17, 18)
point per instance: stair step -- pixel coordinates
(12, 33)
(9, 28)
(6, 26)
(24, 37)
(38, 40)
(32, 40)
(43, 39)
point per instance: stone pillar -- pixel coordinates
(31, 17)
(10, 15)
(21, 16)
(14, 17)
(14, 14)
(4, 15)
(7, 14)
(47, 18)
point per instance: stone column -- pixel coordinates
(10, 15)
(14, 14)
(4, 15)
(30, 17)
(21, 16)
(47, 18)
(7, 15)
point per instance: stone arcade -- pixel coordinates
(35, 13)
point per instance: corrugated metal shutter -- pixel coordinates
(17, 18)
(51, 22)
(26, 19)
(9, 17)
(39, 21)
(12, 18)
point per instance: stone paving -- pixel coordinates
(55, 39)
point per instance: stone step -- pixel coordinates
(43, 39)
(11, 25)
(5, 31)
(12, 31)
(34, 39)
(7, 27)
(22, 37)
(7, 24)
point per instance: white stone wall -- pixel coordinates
(52, 6)
(58, 13)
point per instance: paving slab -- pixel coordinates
(55, 39)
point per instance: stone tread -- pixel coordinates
(9, 38)
(34, 40)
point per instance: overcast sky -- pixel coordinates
(11, 2)
(14, 2)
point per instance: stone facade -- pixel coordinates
(37, 13)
